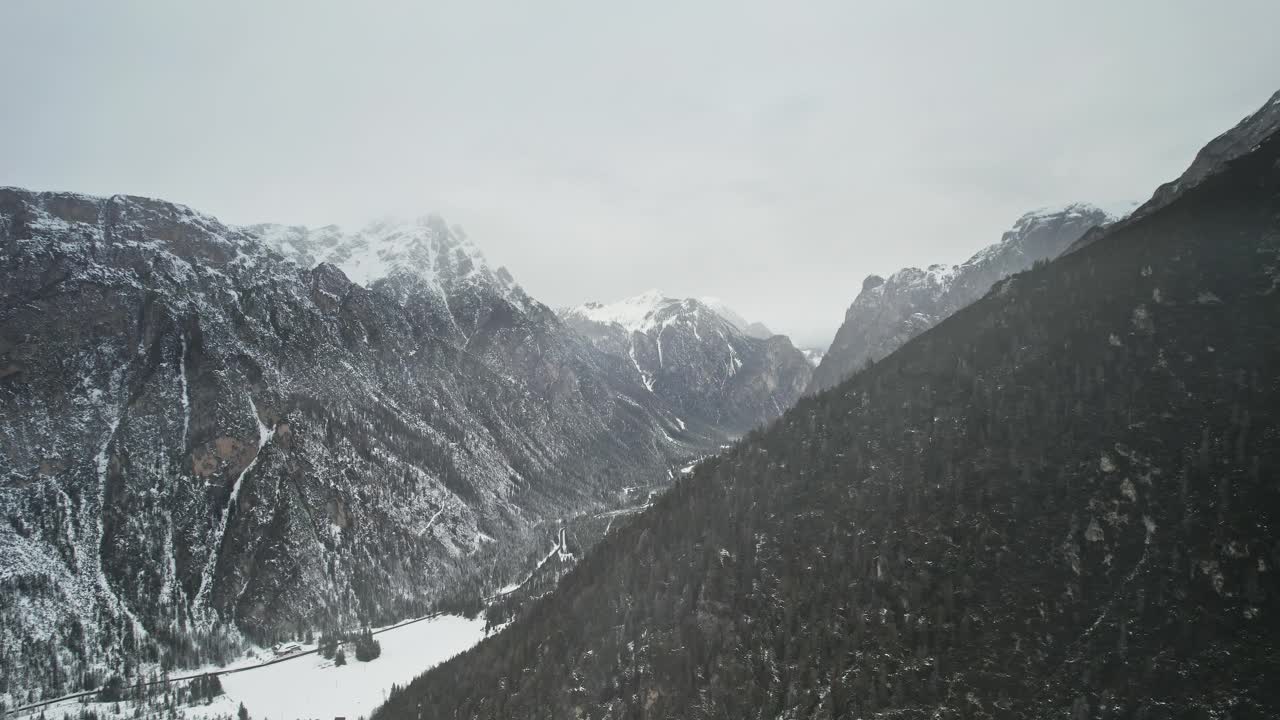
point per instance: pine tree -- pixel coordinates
(366, 647)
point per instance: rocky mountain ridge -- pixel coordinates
(1214, 157)
(890, 311)
(705, 361)
(442, 258)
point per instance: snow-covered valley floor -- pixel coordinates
(312, 687)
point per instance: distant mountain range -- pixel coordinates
(699, 356)
(814, 355)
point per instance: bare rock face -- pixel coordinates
(889, 312)
(703, 359)
(204, 439)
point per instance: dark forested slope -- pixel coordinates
(1059, 502)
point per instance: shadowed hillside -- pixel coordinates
(1059, 502)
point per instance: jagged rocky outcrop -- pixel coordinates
(203, 439)
(1059, 502)
(708, 363)
(890, 311)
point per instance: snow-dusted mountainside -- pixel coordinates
(441, 257)
(698, 358)
(889, 312)
(202, 438)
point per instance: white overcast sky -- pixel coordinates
(769, 153)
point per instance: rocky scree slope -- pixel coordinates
(1057, 503)
(707, 363)
(202, 440)
(888, 312)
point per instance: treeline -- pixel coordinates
(332, 646)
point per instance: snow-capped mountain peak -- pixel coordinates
(652, 308)
(688, 352)
(426, 247)
(633, 314)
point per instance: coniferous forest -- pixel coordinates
(1058, 503)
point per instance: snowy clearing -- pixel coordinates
(312, 687)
